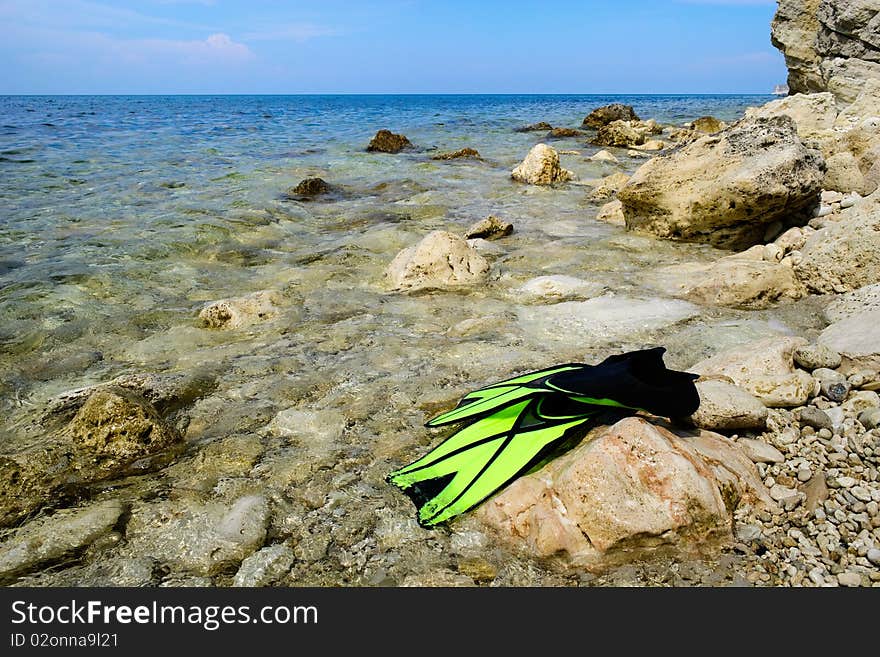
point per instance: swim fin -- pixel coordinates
(517, 423)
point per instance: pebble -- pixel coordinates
(849, 200)
(873, 556)
(804, 474)
(832, 383)
(860, 493)
(813, 417)
(849, 579)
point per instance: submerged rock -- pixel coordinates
(725, 189)
(558, 287)
(490, 228)
(240, 311)
(765, 368)
(461, 153)
(440, 260)
(535, 127)
(541, 167)
(602, 116)
(386, 141)
(625, 492)
(561, 133)
(53, 537)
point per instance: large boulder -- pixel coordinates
(541, 167)
(857, 340)
(386, 141)
(606, 114)
(765, 368)
(725, 189)
(829, 45)
(625, 492)
(845, 255)
(440, 260)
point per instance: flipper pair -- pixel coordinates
(514, 425)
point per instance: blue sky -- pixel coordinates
(388, 46)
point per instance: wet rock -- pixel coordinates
(845, 255)
(623, 134)
(265, 567)
(726, 406)
(52, 537)
(708, 125)
(631, 489)
(766, 369)
(241, 311)
(559, 287)
(815, 356)
(535, 127)
(602, 116)
(612, 213)
(833, 384)
(440, 260)
(386, 141)
(561, 133)
(490, 228)
(742, 280)
(309, 187)
(202, 538)
(759, 451)
(604, 156)
(857, 340)
(541, 167)
(461, 153)
(810, 416)
(725, 189)
(609, 186)
(852, 303)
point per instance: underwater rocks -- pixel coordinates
(602, 116)
(386, 141)
(541, 167)
(625, 492)
(490, 228)
(765, 368)
(462, 153)
(725, 189)
(558, 287)
(241, 311)
(440, 260)
(59, 535)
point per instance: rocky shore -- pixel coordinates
(774, 481)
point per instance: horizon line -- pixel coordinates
(398, 93)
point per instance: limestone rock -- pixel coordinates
(386, 141)
(53, 537)
(604, 156)
(541, 167)
(490, 228)
(623, 134)
(760, 452)
(725, 189)
(766, 369)
(857, 340)
(602, 116)
(724, 405)
(440, 260)
(561, 133)
(814, 356)
(860, 300)
(626, 491)
(461, 153)
(708, 125)
(240, 311)
(612, 213)
(309, 187)
(609, 186)
(813, 114)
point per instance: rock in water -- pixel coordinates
(472, 153)
(708, 125)
(386, 141)
(609, 186)
(241, 311)
(542, 126)
(725, 189)
(623, 134)
(440, 260)
(541, 167)
(309, 187)
(604, 115)
(625, 491)
(490, 228)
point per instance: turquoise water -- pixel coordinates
(121, 216)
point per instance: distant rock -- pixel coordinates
(541, 167)
(602, 116)
(386, 141)
(309, 187)
(708, 125)
(559, 133)
(542, 126)
(462, 153)
(629, 490)
(490, 228)
(240, 311)
(725, 189)
(440, 260)
(765, 368)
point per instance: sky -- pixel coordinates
(387, 46)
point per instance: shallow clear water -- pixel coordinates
(121, 216)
